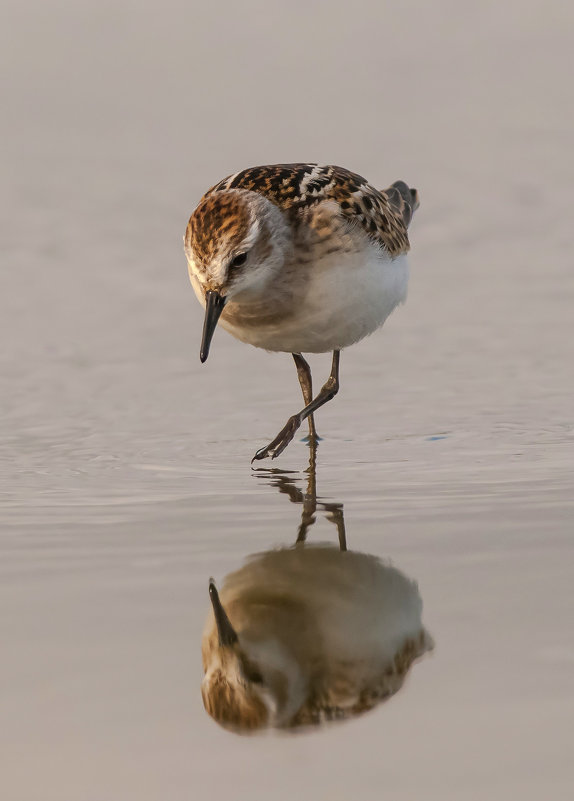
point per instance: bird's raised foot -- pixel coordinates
(283, 438)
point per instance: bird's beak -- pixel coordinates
(214, 303)
(226, 632)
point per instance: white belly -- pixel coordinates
(346, 299)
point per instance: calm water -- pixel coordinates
(125, 464)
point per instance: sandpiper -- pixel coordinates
(308, 634)
(299, 258)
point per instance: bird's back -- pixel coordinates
(383, 214)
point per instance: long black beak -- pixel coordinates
(214, 303)
(227, 634)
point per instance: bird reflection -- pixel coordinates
(310, 633)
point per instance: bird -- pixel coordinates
(299, 258)
(304, 635)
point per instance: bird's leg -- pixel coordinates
(284, 437)
(309, 498)
(335, 515)
(334, 510)
(304, 374)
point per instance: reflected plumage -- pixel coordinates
(312, 634)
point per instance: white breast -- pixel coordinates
(347, 297)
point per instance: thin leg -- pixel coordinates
(304, 374)
(284, 437)
(310, 502)
(309, 498)
(335, 515)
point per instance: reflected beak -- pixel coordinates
(227, 634)
(214, 303)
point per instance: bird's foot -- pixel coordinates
(283, 438)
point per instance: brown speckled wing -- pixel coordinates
(384, 215)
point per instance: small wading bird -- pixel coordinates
(308, 634)
(299, 258)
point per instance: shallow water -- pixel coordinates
(125, 464)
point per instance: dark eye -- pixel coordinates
(252, 674)
(255, 677)
(239, 260)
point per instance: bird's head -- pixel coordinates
(249, 683)
(236, 242)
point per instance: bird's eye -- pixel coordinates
(238, 260)
(255, 677)
(251, 673)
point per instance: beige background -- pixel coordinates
(124, 465)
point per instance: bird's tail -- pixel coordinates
(403, 199)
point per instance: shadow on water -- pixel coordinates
(308, 633)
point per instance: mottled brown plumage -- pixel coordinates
(334, 704)
(232, 708)
(217, 220)
(384, 214)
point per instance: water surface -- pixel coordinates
(125, 464)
